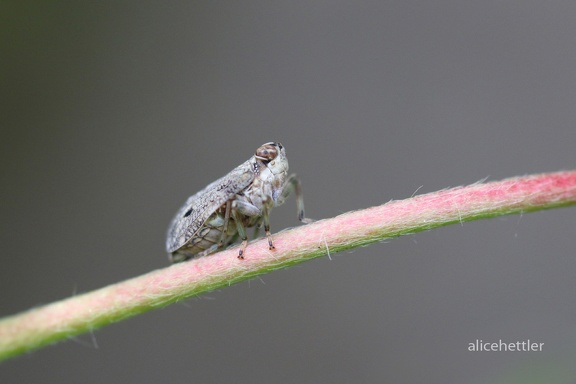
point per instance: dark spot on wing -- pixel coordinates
(188, 212)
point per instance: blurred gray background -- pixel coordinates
(113, 113)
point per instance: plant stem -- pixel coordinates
(82, 313)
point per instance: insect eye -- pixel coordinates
(267, 152)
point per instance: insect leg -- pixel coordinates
(251, 210)
(223, 234)
(208, 251)
(266, 220)
(182, 255)
(293, 185)
(247, 209)
(257, 230)
(178, 257)
(241, 231)
(225, 226)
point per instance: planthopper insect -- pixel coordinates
(220, 213)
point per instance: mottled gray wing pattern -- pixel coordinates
(200, 206)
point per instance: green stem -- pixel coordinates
(82, 313)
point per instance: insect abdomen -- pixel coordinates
(207, 239)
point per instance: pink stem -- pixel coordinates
(82, 313)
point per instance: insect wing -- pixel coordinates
(201, 205)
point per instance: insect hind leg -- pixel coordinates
(178, 257)
(181, 255)
(223, 234)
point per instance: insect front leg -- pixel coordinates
(292, 184)
(251, 210)
(246, 208)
